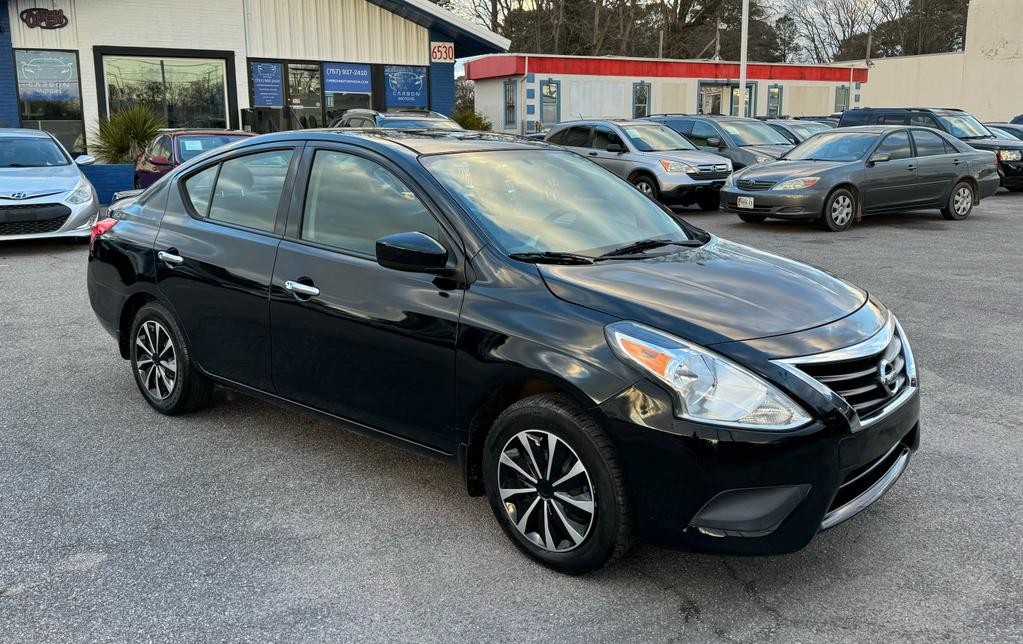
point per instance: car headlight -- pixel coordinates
(708, 387)
(1010, 155)
(81, 194)
(730, 181)
(678, 166)
(796, 184)
(760, 159)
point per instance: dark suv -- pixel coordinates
(743, 141)
(398, 119)
(958, 123)
(599, 368)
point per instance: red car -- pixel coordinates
(173, 147)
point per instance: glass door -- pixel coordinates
(304, 108)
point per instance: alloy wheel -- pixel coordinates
(645, 187)
(156, 359)
(841, 210)
(963, 201)
(546, 490)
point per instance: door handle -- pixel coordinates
(592, 154)
(956, 162)
(911, 167)
(298, 288)
(169, 257)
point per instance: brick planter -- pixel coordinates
(108, 178)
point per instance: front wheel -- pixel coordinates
(839, 211)
(647, 185)
(162, 363)
(960, 202)
(555, 485)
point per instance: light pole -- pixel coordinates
(742, 57)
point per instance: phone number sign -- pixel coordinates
(442, 52)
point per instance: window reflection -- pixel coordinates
(49, 95)
(186, 92)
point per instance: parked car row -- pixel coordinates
(597, 367)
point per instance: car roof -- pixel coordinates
(875, 129)
(619, 122)
(711, 117)
(411, 141)
(184, 131)
(935, 110)
(22, 132)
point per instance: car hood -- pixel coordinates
(690, 156)
(994, 144)
(774, 150)
(719, 292)
(781, 170)
(38, 182)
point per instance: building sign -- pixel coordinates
(339, 77)
(442, 52)
(47, 75)
(406, 86)
(37, 17)
(267, 85)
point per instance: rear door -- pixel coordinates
(357, 340)
(936, 169)
(892, 183)
(216, 250)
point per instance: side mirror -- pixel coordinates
(714, 142)
(615, 148)
(85, 159)
(412, 252)
(159, 161)
(878, 157)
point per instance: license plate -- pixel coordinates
(744, 202)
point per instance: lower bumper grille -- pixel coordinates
(33, 219)
(866, 484)
(755, 209)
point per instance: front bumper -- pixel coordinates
(689, 191)
(1011, 173)
(781, 204)
(45, 219)
(702, 489)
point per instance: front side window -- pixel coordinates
(184, 92)
(518, 198)
(248, 190)
(656, 138)
(896, 145)
(640, 100)
(833, 146)
(352, 202)
(928, 143)
(964, 126)
(702, 131)
(30, 152)
(50, 95)
(509, 103)
(603, 137)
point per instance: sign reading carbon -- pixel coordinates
(38, 17)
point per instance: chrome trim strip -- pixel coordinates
(870, 495)
(889, 407)
(872, 345)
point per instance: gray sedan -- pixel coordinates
(836, 177)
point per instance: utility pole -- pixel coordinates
(742, 57)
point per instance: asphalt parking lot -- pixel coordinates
(246, 522)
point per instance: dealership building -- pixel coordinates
(205, 63)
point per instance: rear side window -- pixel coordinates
(896, 145)
(199, 188)
(352, 202)
(558, 137)
(577, 137)
(248, 190)
(928, 143)
(923, 120)
(856, 117)
(682, 126)
(893, 119)
(703, 131)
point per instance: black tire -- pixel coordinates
(708, 201)
(839, 211)
(188, 390)
(752, 219)
(960, 202)
(577, 438)
(647, 185)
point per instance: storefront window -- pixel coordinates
(841, 98)
(510, 92)
(49, 95)
(550, 108)
(774, 93)
(305, 108)
(185, 92)
(640, 100)
(735, 101)
(406, 87)
(710, 99)
(345, 87)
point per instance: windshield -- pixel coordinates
(436, 124)
(753, 133)
(656, 138)
(833, 146)
(963, 126)
(193, 145)
(30, 152)
(537, 201)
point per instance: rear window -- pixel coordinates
(191, 146)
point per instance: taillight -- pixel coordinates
(99, 228)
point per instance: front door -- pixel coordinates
(366, 343)
(891, 183)
(617, 162)
(216, 250)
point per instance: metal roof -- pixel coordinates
(470, 39)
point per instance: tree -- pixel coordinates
(465, 94)
(788, 39)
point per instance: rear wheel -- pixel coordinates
(960, 202)
(708, 201)
(839, 211)
(752, 219)
(647, 185)
(555, 485)
(161, 362)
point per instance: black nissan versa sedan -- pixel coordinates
(600, 369)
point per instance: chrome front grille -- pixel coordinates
(869, 376)
(713, 171)
(751, 184)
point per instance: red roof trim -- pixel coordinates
(500, 65)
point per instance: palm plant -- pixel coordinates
(123, 137)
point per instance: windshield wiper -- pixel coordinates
(648, 244)
(552, 257)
